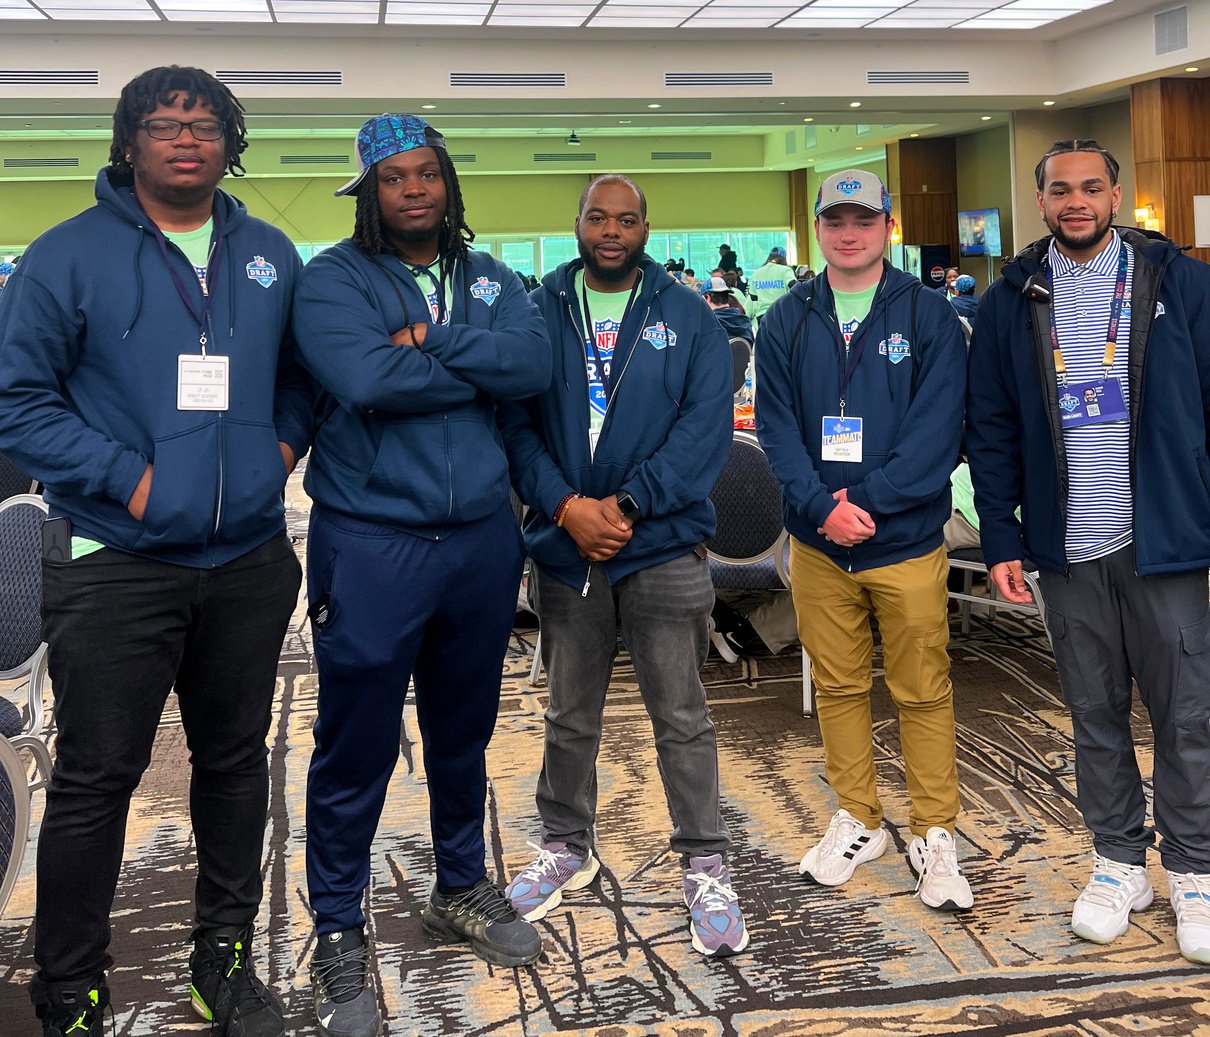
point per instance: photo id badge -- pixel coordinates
(1091, 403)
(201, 382)
(841, 439)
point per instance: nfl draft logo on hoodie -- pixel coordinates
(659, 335)
(895, 348)
(485, 291)
(262, 272)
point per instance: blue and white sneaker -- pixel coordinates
(556, 870)
(1102, 912)
(715, 920)
(1190, 897)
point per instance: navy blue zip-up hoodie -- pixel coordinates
(1014, 435)
(908, 388)
(408, 436)
(667, 429)
(90, 330)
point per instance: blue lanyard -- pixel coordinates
(1111, 333)
(202, 316)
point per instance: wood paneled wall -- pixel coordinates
(1171, 136)
(802, 205)
(922, 176)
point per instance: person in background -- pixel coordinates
(721, 299)
(770, 282)
(947, 287)
(727, 260)
(963, 300)
(149, 382)
(617, 460)
(6, 270)
(803, 273)
(413, 556)
(861, 376)
(1088, 410)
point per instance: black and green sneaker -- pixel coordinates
(484, 918)
(226, 990)
(71, 1009)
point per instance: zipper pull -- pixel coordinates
(587, 582)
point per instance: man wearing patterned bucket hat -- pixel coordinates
(862, 377)
(414, 556)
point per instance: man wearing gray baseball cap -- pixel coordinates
(861, 377)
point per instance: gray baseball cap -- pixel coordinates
(853, 187)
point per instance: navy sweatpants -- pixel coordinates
(401, 606)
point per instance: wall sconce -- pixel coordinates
(1145, 217)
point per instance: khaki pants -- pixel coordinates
(909, 599)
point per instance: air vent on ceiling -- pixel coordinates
(315, 160)
(505, 80)
(911, 78)
(462, 160)
(278, 77)
(49, 77)
(566, 156)
(704, 79)
(40, 163)
(1172, 30)
(682, 156)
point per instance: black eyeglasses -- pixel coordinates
(170, 129)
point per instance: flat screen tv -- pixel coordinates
(979, 233)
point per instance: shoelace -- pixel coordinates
(343, 975)
(839, 835)
(939, 859)
(713, 892)
(247, 991)
(485, 901)
(1195, 909)
(546, 864)
(1108, 894)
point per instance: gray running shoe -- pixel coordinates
(484, 918)
(342, 986)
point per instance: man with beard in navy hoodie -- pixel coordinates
(148, 381)
(616, 460)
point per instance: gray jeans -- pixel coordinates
(663, 613)
(1108, 626)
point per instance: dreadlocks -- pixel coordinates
(143, 94)
(453, 236)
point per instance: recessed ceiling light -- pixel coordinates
(1048, 104)
(860, 148)
(783, 102)
(985, 118)
(1191, 68)
(428, 107)
(913, 134)
(655, 106)
(854, 104)
(809, 118)
(625, 122)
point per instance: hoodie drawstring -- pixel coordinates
(138, 283)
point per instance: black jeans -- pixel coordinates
(122, 632)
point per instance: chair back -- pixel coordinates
(741, 356)
(747, 502)
(12, 480)
(21, 520)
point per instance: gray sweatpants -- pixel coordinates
(1108, 626)
(663, 612)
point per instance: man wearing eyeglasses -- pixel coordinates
(148, 381)
(1106, 456)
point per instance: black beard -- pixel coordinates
(610, 275)
(1091, 240)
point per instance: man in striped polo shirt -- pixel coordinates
(1107, 457)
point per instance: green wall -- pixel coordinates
(305, 209)
(985, 181)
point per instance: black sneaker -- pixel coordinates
(71, 1009)
(484, 918)
(342, 986)
(226, 991)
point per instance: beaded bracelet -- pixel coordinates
(564, 504)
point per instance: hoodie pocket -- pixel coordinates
(181, 507)
(254, 476)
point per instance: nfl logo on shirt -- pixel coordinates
(262, 272)
(895, 348)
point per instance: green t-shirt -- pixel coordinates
(964, 493)
(768, 284)
(852, 308)
(606, 310)
(427, 280)
(196, 246)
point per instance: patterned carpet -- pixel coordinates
(868, 959)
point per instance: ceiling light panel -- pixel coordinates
(655, 20)
(826, 16)
(814, 22)
(349, 7)
(824, 5)
(897, 21)
(990, 22)
(142, 13)
(25, 11)
(545, 10)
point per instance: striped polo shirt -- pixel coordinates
(1100, 510)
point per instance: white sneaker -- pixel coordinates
(847, 843)
(939, 879)
(721, 644)
(1190, 896)
(1102, 912)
